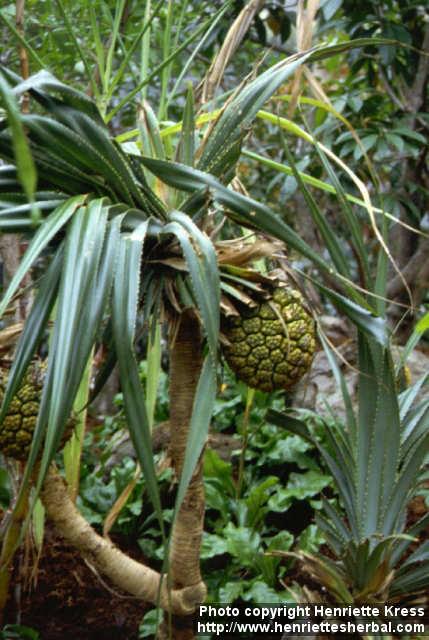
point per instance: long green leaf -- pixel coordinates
(338, 471)
(370, 324)
(200, 45)
(412, 533)
(115, 36)
(203, 271)
(330, 533)
(86, 281)
(416, 424)
(126, 298)
(166, 45)
(84, 159)
(18, 219)
(341, 382)
(338, 443)
(149, 132)
(81, 137)
(242, 208)
(327, 51)
(329, 236)
(15, 204)
(98, 46)
(41, 239)
(23, 158)
(290, 423)
(406, 481)
(43, 85)
(186, 148)
(420, 329)
(222, 148)
(33, 330)
(147, 21)
(407, 397)
(283, 168)
(349, 217)
(419, 555)
(336, 521)
(56, 171)
(417, 579)
(90, 149)
(200, 421)
(378, 436)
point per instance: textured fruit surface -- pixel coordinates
(16, 430)
(272, 344)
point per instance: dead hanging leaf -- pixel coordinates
(227, 305)
(120, 503)
(240, 253)
(216, 71)
(170, 295)
(305, 23)
(238, 186)
(301, 593)
(178, 264)
(9, 335)
(304, 33)
(316, 87)
(378, 587)
(227, 310)
(233, 39)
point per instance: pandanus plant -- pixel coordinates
(131, 239)
(375, 459)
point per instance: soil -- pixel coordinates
(69, 601)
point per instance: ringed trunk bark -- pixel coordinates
(186, 361)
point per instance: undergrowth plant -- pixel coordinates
(246, 513)
(376, 461)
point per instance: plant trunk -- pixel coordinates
(181, 594)
(124, 572)
(185, 366)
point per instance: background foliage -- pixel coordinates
(369, 107)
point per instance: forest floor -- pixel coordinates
(68, 601)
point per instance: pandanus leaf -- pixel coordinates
(126, 302)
